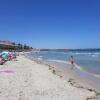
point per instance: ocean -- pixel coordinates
(89, 62)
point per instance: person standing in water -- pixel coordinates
(72, 62)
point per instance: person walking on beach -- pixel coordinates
(72, 62)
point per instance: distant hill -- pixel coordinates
(9, 45)
(7, 42)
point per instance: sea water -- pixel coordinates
(87, 61)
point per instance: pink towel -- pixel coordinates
(6, 71)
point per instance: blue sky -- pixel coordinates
(51, 23)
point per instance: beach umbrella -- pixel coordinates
(5, 56)
(5, 52)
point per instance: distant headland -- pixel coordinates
(9, 45)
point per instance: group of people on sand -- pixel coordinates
(7, 56)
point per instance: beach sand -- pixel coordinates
(37, 81)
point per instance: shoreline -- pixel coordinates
(78, 68)
(84, 63)
(35, 80)
(71, 74)
(77, 73)
(73, 78)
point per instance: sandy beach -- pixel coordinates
(36, 81)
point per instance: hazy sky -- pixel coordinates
(51, 23)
